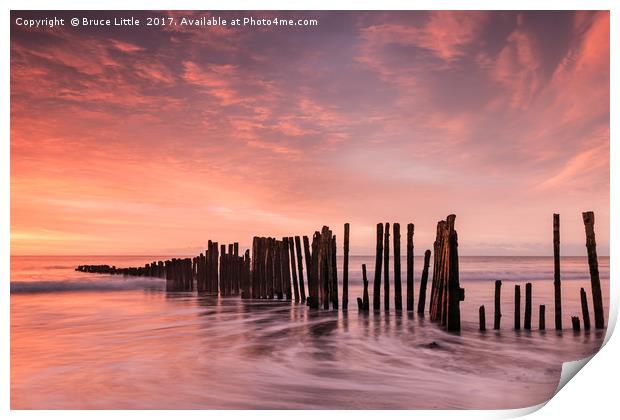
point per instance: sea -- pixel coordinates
(92, 341)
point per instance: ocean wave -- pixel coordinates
(120, 283)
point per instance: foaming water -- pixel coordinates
(137, 346)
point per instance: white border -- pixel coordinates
(592, 395)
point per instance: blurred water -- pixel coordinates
(81, 340)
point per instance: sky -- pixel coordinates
(153, 140)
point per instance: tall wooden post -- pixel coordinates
(482, 318)
(310, 271)
(216, 258)
(556, 272)
(597, 296)
(315, 287)
(498, 311)
(386, 268)
(527, 323)
(584, 310)
(398, 297)
(541, 317)
(345, 269)
(423, 281)
(517, 307)
(410, 285)
(376, 294)
(291, 244)
(222, 268)
(300, 267)
(286, 269)
(334, 275)
(455, 293)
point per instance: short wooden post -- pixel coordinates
(345, 269)
(556, 272)
(376, 295)
(410, 285)
(423, 281)
(498, 311)
(517, 307)
(541, 317)
(527, 323)
(597, 296)
(398, 297)
(365, 299)
(482, 318)
(576, 324)
(386, 268)
(584, 310)
(300, 267)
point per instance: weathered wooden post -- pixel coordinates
(345, 269)
(365, 300)
(291, 245)
(482, 318)
(245, 284)
(309, 269)
(541, 317)
(333, 291)
(597, 296)
(556, 272)
(222, 268)
(216, 258)
(323, 267)
(455, 293)
(410, 285)
(376, 294)
(584, 310)
(386, 268)
(237, 272)
(300, 267)
(286, 269)
(498, 311)
(576, 325)
(313, 274)
(268, 287)
(423, 281)
(277, 268)
(398, 297)
(517, 307)
(439, 273)
(527, 323)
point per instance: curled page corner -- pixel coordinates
(570, 369)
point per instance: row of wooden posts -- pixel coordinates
(277, 262)
(588, 220)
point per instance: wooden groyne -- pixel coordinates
(274, 269)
